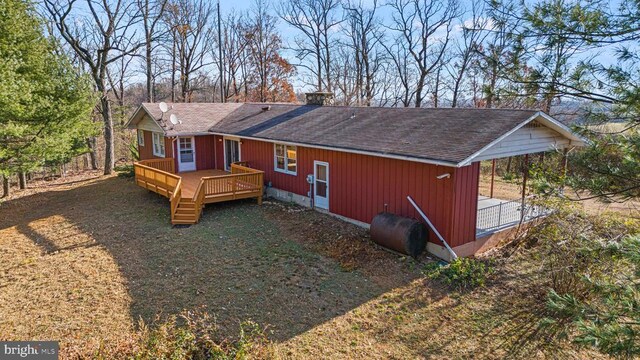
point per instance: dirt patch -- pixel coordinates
(347, 243)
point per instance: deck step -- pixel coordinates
(183, 222)
(186, 206)
(179, 216)
(182, 211)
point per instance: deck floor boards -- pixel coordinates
(191, 179)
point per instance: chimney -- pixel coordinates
(319, 98)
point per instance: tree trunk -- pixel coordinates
(109, 153)
(319, 63)
(149, 71)
(6, 188)
(419, 88)
(22, 180)
(173, 70)
(93, 158)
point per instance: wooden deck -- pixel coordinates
(191, 180)
(188, 192)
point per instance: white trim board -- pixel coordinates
(543, 119)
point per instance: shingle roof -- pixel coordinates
(436, 135)
(197, 118)
(447, 135)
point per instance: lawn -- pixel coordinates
(84, 260)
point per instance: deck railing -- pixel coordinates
(175, 198)
(167, 165)
(243, 182)
(150, 174)
(506, 214)
(155, 179)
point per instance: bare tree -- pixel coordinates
(100, 35)
(193, 38)
(233, 58)
(425, 27)
(315, 19)
(365, 36)
(268, 72)
(465, 50)
(152, 12)
(118, 75)
(403, 92)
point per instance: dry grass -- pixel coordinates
(85, 259)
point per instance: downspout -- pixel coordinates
(446, 245)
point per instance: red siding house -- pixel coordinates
(352, 162)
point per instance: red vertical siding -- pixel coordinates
(146, 151)
(465, 204)
(205, 152)
(219, 152)
(361, 185)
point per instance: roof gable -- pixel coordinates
(538, 134)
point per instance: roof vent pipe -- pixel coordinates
(319, 98)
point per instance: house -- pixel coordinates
(352, 162)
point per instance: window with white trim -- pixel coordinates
(158, 144)
(140, 137)
(285, 159)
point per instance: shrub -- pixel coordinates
(191, 335)
(607, 315)
(509, 177)
(126, 171)
(462, 273)
(589, 269)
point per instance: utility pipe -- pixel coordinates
(446, 245)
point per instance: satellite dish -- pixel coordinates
(174, 119)
(163, 107)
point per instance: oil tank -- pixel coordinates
(398, 233)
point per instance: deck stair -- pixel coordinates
(188, 195)
(185, 212)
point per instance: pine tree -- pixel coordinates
(45, 103)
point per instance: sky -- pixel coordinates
(384, 12)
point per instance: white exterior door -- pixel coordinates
(186, 154)
(321, 184)
(231, 152)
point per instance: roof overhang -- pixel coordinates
(342, 149)
(575, 140)
(138, 116)
(544, 119)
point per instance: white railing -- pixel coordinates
(506, 214)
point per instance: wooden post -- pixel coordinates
(524, 183)
(493, 174)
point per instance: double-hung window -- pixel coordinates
(285, 159)
(140, 137)
(158, 144)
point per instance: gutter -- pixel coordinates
(346, 150)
